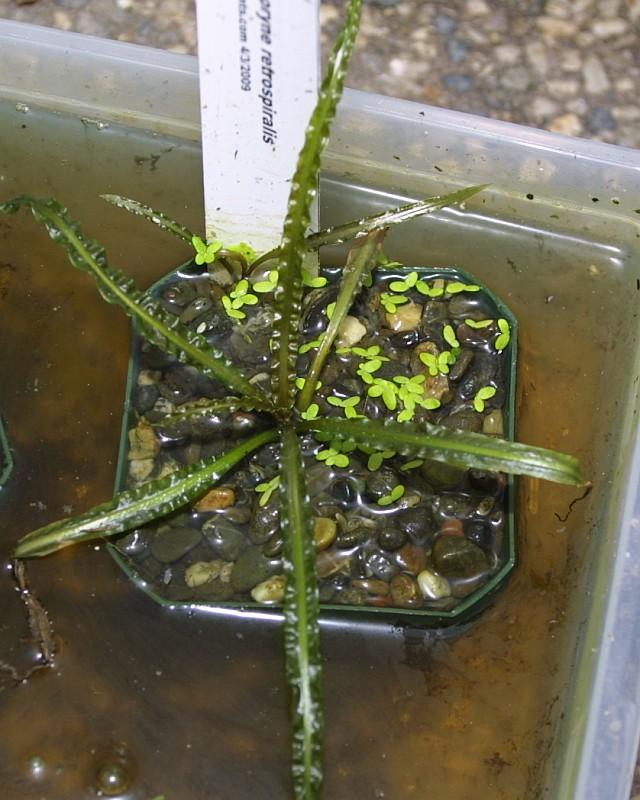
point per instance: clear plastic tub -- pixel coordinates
(537, 699)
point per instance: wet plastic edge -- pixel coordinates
(7, 455)
(473, 605)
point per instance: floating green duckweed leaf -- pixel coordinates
(240, 296)
(417, 462)
(267, 489)
(370, 366)
(376, 458)
(455, 287)
(450, 336)
(268, 285)
(348, 404)
(384, 260)
(486, 393)
(505, 334)
(311, 412)
(437, 288)
(404, 285)
(431, 362)
(312, 281)
(370, 352)
(430, 403)
(411, 385)
(446, 359)
(304, 348)
(386, 390)
(396, 493)
(300, 384)
(482, 323)
(391, 302)
(365, 377)
(232, 312)
(205, 251)
(333, 458)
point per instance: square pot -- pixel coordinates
(208, 546)
(539, 698)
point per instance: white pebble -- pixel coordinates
(406, 318)
(202, 572)
(432, 586)
(270, 591)
(350, 331)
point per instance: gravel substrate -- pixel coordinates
(390, 530)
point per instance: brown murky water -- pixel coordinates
(192, 706)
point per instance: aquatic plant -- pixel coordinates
(289, 399)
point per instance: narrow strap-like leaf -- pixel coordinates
(199, 410)
(349, 230)
(288, 294)
(342, 233)
(129, 509)
(301, 634)
(361, 259)
(157, 217)
(6, 457)
(156, 324)
(457, 448)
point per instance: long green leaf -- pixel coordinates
(342, 233)
(301, 633)
(360, 261)
(288, 295)
(132, 508)
(199, 410)
(156, 324)
(350, 230)
(457, 448)
(157, 217)
(6, 457)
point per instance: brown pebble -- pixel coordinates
(216, 499)
(324, 532)
(372, 586)
(436, 387)
(381, 601)
(411, 558)
(405, 591)
(453, 527)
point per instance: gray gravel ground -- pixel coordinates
(571, 66)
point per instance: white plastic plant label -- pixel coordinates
(259, 66)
